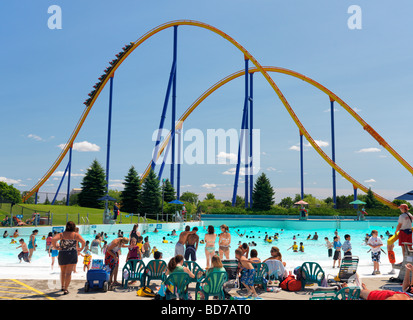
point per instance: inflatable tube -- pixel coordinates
(394, 238)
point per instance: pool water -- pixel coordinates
(314, 250)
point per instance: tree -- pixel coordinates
(286, 202)
(190, 197)
(9, 193)
(93, 186)
(209, 196)
(131, 194)
(168, 191)
(151, 195)
(263, 193)
(371, 201)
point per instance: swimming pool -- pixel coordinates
(314, 250)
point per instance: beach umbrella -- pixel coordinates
(108, 198)
(407, 196)
(301, 202)
(357, 202)
(176, 202)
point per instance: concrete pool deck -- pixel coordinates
(30, 289)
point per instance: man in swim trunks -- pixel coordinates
(404, 227)
(192, 241)
(180, 245)
(247, 273)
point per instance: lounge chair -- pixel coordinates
(231, 267)
(346, 293)
(179, 281)
(261, 270)
(133, 271)
(276, 270)
(311, 272)
(347, 272)
(196, 270)
(212, 285)
(155, 270)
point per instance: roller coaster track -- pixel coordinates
(109, 72)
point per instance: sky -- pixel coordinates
(363, 54)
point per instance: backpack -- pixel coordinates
(291, 284)
(146, 292)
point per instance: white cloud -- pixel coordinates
(83, 146)
(366, 150)
(35, 137)
(369, 181)
(271, 169)
(232, 171)
(320, 143)
(9, 181)
(209, 185)
(60, 174)
(223, 156)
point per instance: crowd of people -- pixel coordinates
(69, 245)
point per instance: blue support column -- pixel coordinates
(242, 137)
(178, 175)
(251, 138)
(35, 198)
(109, 136)
(333, 152)
(162, 121)
(60, 184)
(69, 175)
(355, 206)
(173, 109)
(301, 166)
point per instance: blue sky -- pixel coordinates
(47, 74)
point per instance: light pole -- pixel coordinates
(163, 188)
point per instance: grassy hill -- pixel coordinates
(61, 214)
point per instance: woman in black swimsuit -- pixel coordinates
(68, 252)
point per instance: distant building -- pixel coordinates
(75, 191)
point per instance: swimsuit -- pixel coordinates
(382, 294)
(110, 261)
(24, 256)
(179, 249)
(30, 245)
(190, 252)
(68, 252)
(247, 276)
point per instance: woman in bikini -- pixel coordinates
(224, 242)
(68, 252)
(210, 238)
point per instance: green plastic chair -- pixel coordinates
(155, 270)
(212, 285)
(311, 272)
(261, 270)
(180, 282)
(196, 270)
(134, 269)
(347, 293)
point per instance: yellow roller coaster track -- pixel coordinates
(258, 68)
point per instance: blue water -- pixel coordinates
(313, 250)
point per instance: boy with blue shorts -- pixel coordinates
(247, 273)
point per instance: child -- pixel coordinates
(53, 253)
(247, 273)
(49, 241)
(133, 250)
(254, 256)
(139, 243)
(86, 246)
(301, 247)
(347, 246)
(337, 253)
(375, 243)
(25, 252)
(87, 258)
(294, 247)
(329, 247)
(164, 240)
